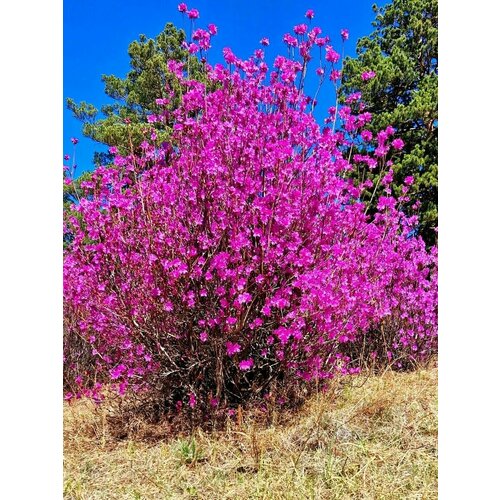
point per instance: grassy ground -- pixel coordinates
(376, 438)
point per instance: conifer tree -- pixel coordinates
(402, 51)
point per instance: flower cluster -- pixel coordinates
(241, 254)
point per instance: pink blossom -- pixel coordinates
(366, 135)
(117, 371)
(300, 29)
(335, 75)
(192, 399)
(344, 34)
(182, 7)
(243, 298)
(212, 28)
(331, 55)
(368, 75)
(232, 348)
(193, 14)
(398, 143)
(229, 57)
(309, 13)
(66, 157)
(246, 364)
(264, 41)
(74, 140)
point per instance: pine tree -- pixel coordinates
(135, 95)
(403, 53)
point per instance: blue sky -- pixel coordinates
(96, 34)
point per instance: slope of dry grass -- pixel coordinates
(375, 438)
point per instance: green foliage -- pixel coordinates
(189, 452)
(135, 94)
(403, 51)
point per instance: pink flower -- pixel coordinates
(66, 157)
(243, 298)
(192, 400)
(300, 29)
(212, 29)
(265, 42)
(193, 48)
(290, 40)
(366, 135)
(203, 336)
(368, 75)
(117, 371)
(355, 96)
(193, 14)
(229, 56)
(344, 34)
(409, 180)
(320, 71)
(309, 13)
(246, 364)
(398, 144)
(335, 75)
(232, 348)
(331, 55)
(74, 140)
(182, 7)
(113, 150)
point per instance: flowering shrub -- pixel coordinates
(238, 260)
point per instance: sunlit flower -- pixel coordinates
(398, 143)
(232, 348)
(368, 75)
(246, 364)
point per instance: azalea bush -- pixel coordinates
(238, 262)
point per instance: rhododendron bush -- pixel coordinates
(238, 261)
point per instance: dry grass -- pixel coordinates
(371, 440)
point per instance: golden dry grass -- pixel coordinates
(375, 438)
